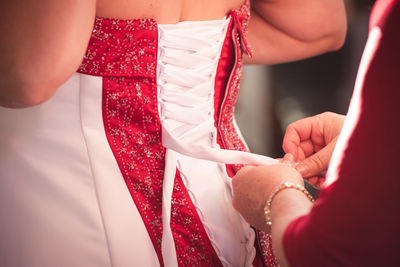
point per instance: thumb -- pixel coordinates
(316, 163)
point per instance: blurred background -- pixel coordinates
(271, 97)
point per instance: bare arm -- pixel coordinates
(252, 186)
(287, 206)
(42, 45)
(287, 30)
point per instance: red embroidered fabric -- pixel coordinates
(227, 80)
(124, 53)
(121, 48)
(234, 43)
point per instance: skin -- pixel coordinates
(252, 186)
(311, 141)
(47, 39)
(250, 194)
(251, 189)
(44, 45)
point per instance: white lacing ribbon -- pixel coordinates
(187, 59)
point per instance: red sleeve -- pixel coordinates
(356, 220)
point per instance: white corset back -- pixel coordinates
(188, 56)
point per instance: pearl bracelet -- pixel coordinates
(280, 188)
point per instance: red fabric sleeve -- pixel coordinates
(356, 220)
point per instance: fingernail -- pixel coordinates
(287, 162)
(302, 169)
(289, 157)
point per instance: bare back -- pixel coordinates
(166, 11)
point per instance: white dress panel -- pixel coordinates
(48, 203)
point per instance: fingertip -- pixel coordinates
(290, 140)
(302, 169)
(288, 157)
(290, 148)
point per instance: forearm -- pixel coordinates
(287, 30)
(287, 206)
(43, 44)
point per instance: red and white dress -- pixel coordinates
(126, 164)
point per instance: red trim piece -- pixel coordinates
(185, 222)
(121, 48)
(135, 140)
(225, 67)
(227, 82)
(267, 250)
(230, 139)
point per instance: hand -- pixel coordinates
(253, 185)
(311, 141)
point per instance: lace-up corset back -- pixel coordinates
(188, 55)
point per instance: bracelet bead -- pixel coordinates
(280, 188)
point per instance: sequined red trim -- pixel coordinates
(198, 249)
(267, 251)
(228, 138)
(134, 137)
(121, 48)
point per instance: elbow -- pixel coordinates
(17, 99)
(337, 40)
(333, 31)
(336, 36)
(327, 43)
(327, 38)
(22, 93)
(28, 100)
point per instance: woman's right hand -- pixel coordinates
(311, 141)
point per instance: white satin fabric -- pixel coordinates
(63, 200)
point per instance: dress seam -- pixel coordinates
(91, 168)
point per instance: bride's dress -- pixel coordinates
(126, 164)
